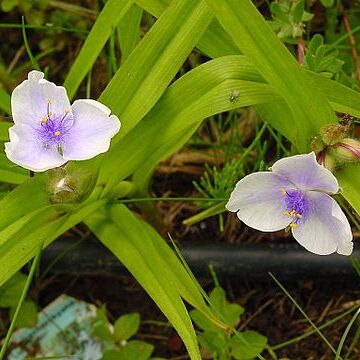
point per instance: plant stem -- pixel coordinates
(317, 330)
(21, 301)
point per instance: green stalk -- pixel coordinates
(27, 46)
(21, 301)
(346, 332)
(317, 330)
(311, 332)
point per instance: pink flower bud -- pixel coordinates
(348, 150)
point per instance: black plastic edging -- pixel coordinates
(240, 260)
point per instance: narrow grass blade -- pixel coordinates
(34, 62)
(303, 313)
(24, 293)
(345, 334)
(112, 13)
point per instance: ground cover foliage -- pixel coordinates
(163, 67)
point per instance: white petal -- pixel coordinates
(29, 100)
(327, 229)
(259, 203)
(25, 150)
(91, 132)
(305, 172)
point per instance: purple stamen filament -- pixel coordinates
(296, 206)
(53, 128)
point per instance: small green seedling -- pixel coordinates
(322, 58)
(222, 345)
(289, 17)
(116, 337)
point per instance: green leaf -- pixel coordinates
(327, 3)
(202, 321)
(5, 102)
(8, 5)
(202, 92)
(101, 325)
(128, 31)
(109, 17)
(215, 42)
(110, 355)
(215, 342)
(135, 350)
(126, 326)
(316, 41)
(122, 233)
(4, 130)
(11, 173)
(149, 69)
(297, 11)
(248, 346)
(256, 39)
(349, 182)
(10, 292)
(20, 240)
(28, 314)
(230, 312)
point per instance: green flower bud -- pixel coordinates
(348, 150)
(326, 159)
(70, 184)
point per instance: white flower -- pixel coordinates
(48, 132)
(295, 195)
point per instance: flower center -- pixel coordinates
(53, 128)
(297, 206)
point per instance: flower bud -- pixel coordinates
(70, 184)
(333, 133)
(330, 162)
(326, 159)
(348, 150)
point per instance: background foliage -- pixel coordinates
(160, 108)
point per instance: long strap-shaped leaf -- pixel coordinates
(151, 67)
(128, 31)
(122, 233)
(109, 17)
(258, 42)
(215, 42)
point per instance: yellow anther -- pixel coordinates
(44, 120)
(67, 111)
(293, 225)
(49, 101)
(50, 113)
(283, 191)
(292, 213)
(57, 133)
(299, 216)
(286, 213)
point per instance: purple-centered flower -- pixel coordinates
(48, 132)
(295, 195)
